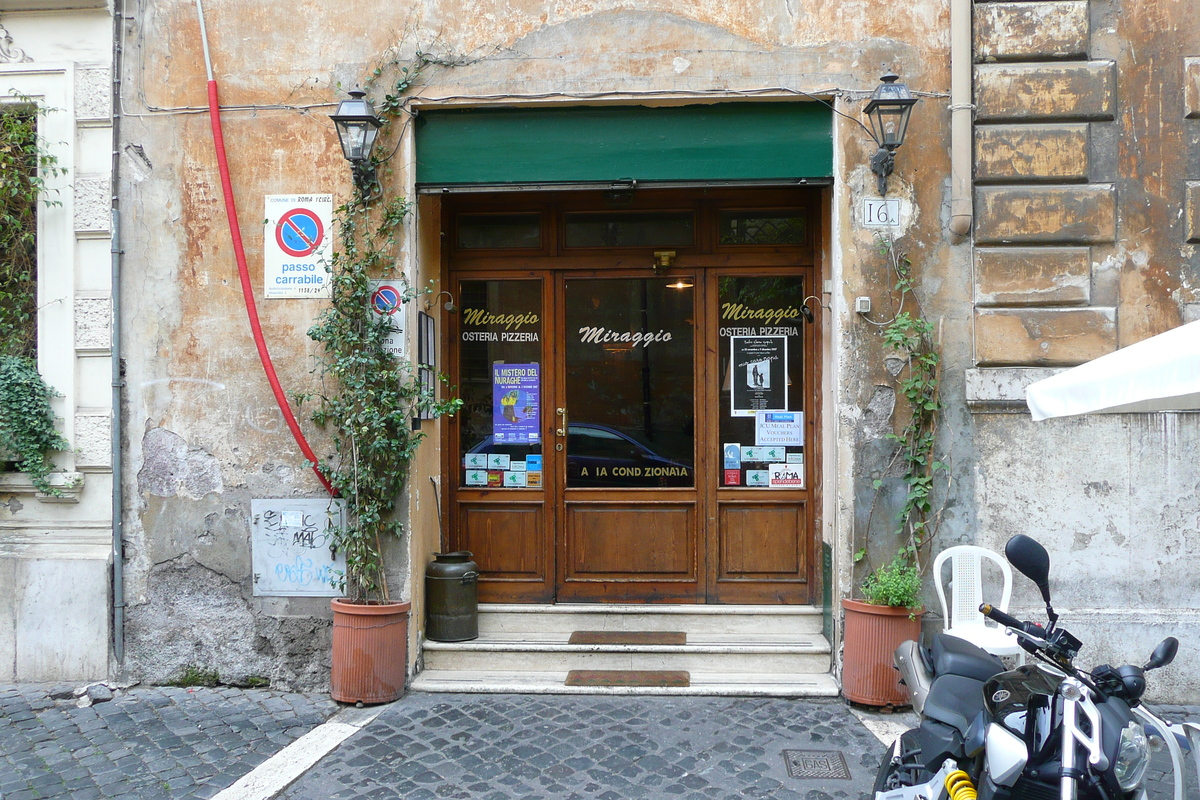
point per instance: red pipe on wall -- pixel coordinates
(235, 233)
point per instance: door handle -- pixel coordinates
(562, 432)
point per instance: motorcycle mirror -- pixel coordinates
(1031, 560)
(1163, 654)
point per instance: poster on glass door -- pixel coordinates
(758, 374)
(515, 403)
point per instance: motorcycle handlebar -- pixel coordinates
(1007, 620)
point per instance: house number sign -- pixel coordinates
(881, 213)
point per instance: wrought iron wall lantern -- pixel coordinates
(357, 127)
(889, 109)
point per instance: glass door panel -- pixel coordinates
(500, 382)
(760, 342)
(630, 398)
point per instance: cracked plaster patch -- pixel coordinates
(171, 468)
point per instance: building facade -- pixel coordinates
(56, 549)
(625, 215)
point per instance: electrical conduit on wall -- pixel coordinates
(235, 234)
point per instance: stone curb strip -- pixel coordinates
(279, 771)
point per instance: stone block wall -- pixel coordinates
(1087, 189)
(1038, 213)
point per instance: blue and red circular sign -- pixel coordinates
(299, 232)
(386, 300)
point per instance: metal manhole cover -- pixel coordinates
(825, 764)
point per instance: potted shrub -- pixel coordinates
(888, 614)
(369, 402)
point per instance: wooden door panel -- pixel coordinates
(760, 541)
(631, 542)
(508, 545)
(762, 552)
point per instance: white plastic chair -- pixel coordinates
(962, 617)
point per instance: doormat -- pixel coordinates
(822, 764)
(628, 677)
(628, 637)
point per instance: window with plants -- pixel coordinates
(27, 432)
(20, 185)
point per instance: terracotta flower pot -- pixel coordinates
(871, 634)
(370, 652)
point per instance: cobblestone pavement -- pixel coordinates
(1160, 776)
(571, 747)
(154, 742)
(170, 743)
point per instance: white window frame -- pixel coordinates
(51, 88)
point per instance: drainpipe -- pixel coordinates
(118, 378)
(962, 206)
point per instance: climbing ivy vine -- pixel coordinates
(27, 433)
(915, 340)
(370, 398)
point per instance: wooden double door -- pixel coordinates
(633, 431)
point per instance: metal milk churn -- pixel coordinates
(452, 597)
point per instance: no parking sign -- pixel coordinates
(387, 302)
(296, 245)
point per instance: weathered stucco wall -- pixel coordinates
(204, 435)
(1084, 150)
(1116, 501)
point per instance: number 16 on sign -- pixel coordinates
(881, 213)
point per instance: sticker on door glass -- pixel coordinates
(515, 405)
(758, 374)
(773, 454)
(475, 461)
(758, 477)
(786, 476)
(751, 453)
(733, 456)
(781, 428)
(477, 477)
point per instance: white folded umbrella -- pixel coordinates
(1161, 373)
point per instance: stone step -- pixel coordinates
(775, 651)
(568, 617)
(726, 684)
(551, 652)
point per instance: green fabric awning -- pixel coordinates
(725, 142)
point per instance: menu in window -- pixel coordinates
(758, 374)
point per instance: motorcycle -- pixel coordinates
(1043, 731)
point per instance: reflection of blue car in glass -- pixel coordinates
(598, 455)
